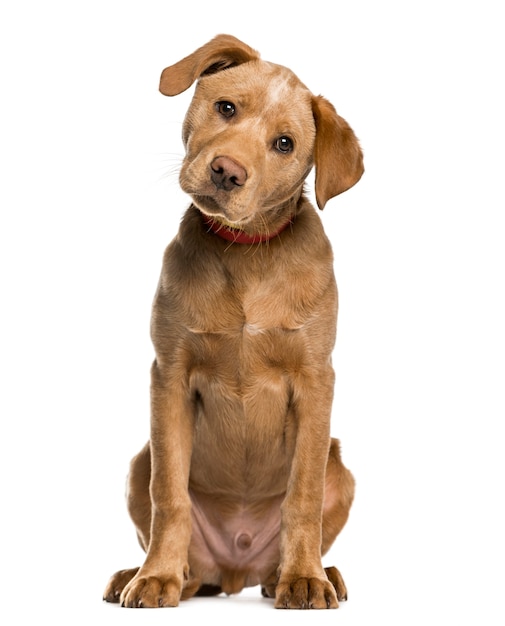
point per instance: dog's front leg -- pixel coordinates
(160, 581)
(303, 583)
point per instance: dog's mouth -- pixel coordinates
(234, 218)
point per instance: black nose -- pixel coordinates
(226, 173)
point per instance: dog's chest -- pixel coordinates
(247, 352)
(245, 309)
(246, 327)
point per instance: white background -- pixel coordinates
(89, 199)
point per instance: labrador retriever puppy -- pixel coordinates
(241, 483)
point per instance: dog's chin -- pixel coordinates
(235, 217)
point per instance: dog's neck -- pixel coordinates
(236, 235)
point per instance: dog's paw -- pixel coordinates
(151, 592)
(117, 583)
(306, 593)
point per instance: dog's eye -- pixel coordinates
(283, 144)
(227, 109)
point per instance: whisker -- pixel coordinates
(169, 164)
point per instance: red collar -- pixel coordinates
(235, 235)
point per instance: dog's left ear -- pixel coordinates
(221, 52)
(337, 154)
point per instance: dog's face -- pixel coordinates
(249, 137)
(253, 132)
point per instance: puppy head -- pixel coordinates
(253, 132)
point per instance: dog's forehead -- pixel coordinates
(284, 84)
(271, 83)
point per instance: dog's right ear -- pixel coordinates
(221, 52)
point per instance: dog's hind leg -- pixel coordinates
(139, 507)
(338, 497)
(138, 498)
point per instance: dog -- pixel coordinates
(241, 483)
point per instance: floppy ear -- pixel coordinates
(337, 153)
(221, 52)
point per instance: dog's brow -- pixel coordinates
(278, 90)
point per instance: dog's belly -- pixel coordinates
(234, 545)
(242, 450)
(244, 432)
